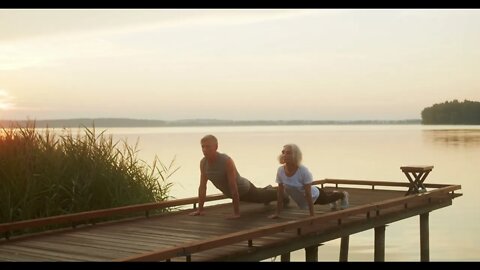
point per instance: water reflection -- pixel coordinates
(453, 137)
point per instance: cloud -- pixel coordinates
(39, 38)
(54, 51)
(28, 24)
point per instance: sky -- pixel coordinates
(245, 64)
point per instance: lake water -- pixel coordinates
(363, 152)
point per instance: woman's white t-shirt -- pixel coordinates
(294, 185)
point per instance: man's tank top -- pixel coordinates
(217, 173)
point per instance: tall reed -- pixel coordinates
(46, 174)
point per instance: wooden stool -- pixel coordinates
(419, 174)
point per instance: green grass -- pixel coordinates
(46, 174)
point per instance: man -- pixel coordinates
(220, 169)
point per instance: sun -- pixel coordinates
(5, 103)
(5, 106)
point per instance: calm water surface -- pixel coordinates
(350, 152)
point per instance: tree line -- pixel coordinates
(126, 122)
(452, 113)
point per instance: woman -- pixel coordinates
(296, 180)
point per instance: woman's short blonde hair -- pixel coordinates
(296, 153)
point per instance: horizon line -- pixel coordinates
(205, 119)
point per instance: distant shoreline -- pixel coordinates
(126, 122)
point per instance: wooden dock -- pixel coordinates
(176, 236)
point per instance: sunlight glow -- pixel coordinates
(5, 101)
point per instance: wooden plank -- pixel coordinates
(73, 249)
(15, 256)
(124, 246)
(48, 255)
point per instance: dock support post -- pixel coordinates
(379, 244)
(285, 257)
(311, 253)
(344, 248)
(424, 238)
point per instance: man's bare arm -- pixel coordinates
(202, 190)
(232, 182)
